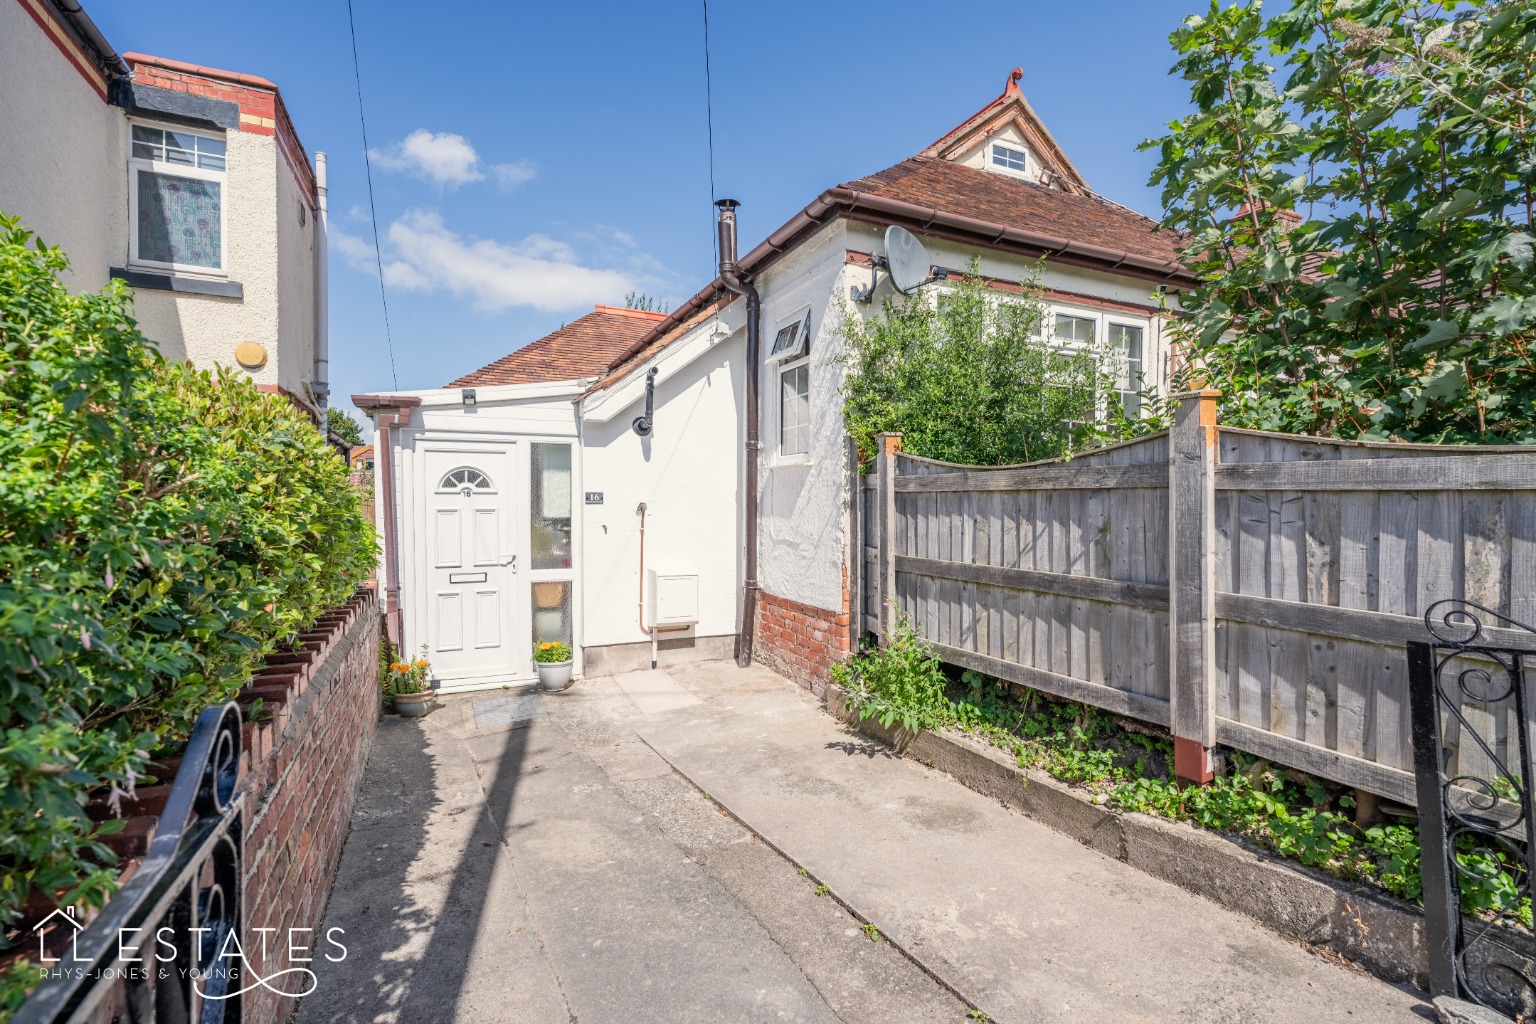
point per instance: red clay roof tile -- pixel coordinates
(1016, 203)
(577, 350)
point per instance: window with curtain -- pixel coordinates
(177, 197)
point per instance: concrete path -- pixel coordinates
(1027, 924)
(532, 859)
(528, 859)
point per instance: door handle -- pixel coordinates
(511, 563)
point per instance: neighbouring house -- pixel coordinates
(360, 458)
(602, 485)
(186, 182)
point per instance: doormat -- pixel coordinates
(518, 710)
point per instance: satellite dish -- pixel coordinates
(907, 259)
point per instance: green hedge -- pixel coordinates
(161, 529)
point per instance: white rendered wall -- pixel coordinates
(60, 146)
(803, 508)
(295, 280)
(206, 328)
(688, 473)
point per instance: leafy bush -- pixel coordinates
(975, 380)
(899, 682)
(161, 530)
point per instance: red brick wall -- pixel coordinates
(305, 768)
(800, 641)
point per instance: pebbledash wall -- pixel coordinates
(64, 145)
(303, 771)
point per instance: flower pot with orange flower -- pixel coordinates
(554, 663)
(407, 687)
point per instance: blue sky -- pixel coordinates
(534, 159)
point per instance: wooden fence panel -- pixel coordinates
(1320, 560)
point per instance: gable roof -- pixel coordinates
(1011, 108)
(578, 350)
(1022, 205)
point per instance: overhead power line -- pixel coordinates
(709, 121)
(373, 212)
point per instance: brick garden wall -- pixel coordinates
(800, 641)
(302, 777)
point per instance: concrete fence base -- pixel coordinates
(1384, 935)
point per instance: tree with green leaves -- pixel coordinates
(1360, 214)
(341, 423)
(973, 378)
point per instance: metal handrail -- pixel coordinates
(190, 884)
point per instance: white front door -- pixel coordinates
(475, 621)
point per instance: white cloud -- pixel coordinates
(509, 176)
(538, 271)
(357, 252)
(448, 160)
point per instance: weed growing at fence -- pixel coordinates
(900, 682)
(1295, 815)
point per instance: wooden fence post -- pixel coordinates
(855, 546)
(889, 448)
(1192, 453)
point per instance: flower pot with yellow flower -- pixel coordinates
(407, 687)
(554, 663)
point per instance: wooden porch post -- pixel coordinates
(1192, 454)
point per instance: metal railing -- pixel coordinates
(1472, 758)
(166, 947)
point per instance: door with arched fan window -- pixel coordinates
(468, 555)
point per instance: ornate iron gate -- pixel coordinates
(1472, 756)
(178, 917)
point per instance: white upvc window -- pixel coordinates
(1009, 159)
(795, 408)
(789, 354)
(1127, 342)
(176, 199)
(1074, 331)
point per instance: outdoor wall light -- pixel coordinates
(468, 394)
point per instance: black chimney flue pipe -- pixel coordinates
(731, 277)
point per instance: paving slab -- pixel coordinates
(1027, 924)
(654, 691)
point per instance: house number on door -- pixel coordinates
(594, 497)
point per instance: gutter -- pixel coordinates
(869, 208)
(388, 411)
(74, 15)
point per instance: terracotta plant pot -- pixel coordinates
(414, 705)
(554, 675)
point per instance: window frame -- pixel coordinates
(784, 369)
(137, 165)
(801, 320)
(992, 165)
(1135, 387)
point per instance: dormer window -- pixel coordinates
(1009, 159)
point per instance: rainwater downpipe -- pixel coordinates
(322, 384)
(731, 277)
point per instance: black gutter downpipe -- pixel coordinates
(111, 63)
(731, 277)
